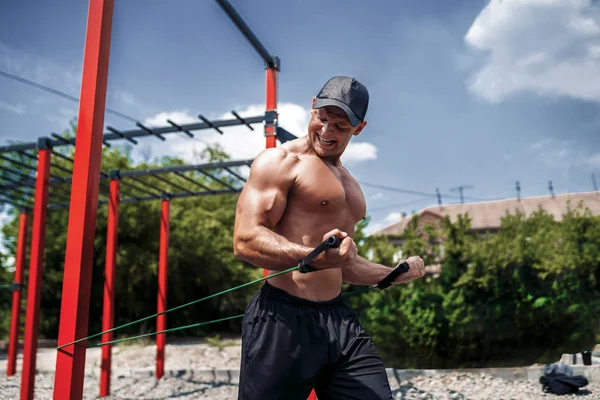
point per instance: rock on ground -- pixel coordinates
(133, 378)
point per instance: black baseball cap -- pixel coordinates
(346, 93)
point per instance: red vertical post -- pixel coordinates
(109, 281)
(15, 316)
(163, 264)
(74, 312)
(272, 76)
(36, 267)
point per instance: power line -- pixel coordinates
(419, 193)
(59, 93)
(398, 205)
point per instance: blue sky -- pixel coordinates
(463, 92)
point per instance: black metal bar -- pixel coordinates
(160, 178)
(150, 131)
(242, 120)
(190, 127)
(123, 182)
(179, 128)
(115, 135)
(18, 183)
(284, 135)
(217, 179)
(193, 194)
(19, 163)
(61, 138)
(14, 204)
(183, 168)
(17, 147)
(138, 180)
(63, 157)
(180, 174)
(12, 198)
(21, 192)
(16, 172)
(235, 174)
(215, 165)
(120, 134)
(173, 195)
(245, 29)
(68, 171)
(30, 156)
(206, 121)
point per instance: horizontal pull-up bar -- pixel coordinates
(184, 168)
(271, 61)
(132, 133)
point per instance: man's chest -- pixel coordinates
(323, 189)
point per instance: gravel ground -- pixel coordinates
(189, 376)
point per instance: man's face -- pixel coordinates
(329, 131)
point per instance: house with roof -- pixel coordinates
(486, 217)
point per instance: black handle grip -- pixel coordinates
(331, 242)
(387, 281)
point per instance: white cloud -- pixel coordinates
(239, 141)
(14, 108)
(374, 227)
(378, 196)
(548, 47)
(389, 219)
(393, 217)
(358, 152)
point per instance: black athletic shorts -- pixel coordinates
(291, 345)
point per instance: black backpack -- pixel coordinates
(559, 383)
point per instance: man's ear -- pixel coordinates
(359, 128)
(314, 100)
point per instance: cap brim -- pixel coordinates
(320, 103)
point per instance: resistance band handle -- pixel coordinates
(332, 242)
(387, 281)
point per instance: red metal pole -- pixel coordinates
(15, 316)
(163, 264)
(74, 313)
(36, 267)
(109, 283)
(272, 77)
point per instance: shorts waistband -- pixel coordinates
(278, 295)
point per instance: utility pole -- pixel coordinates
(460, 189)
(518, 190)
(594, 182)
(439, 196)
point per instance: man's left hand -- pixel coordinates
(416, 271)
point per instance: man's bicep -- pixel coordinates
(264, 198)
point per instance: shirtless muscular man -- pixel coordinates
(297, 332)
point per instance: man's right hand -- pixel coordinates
(339, 257)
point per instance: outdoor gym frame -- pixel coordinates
(82, 202)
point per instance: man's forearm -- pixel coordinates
(365, 272)
(267, 249)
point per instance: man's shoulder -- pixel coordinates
(274, 156)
